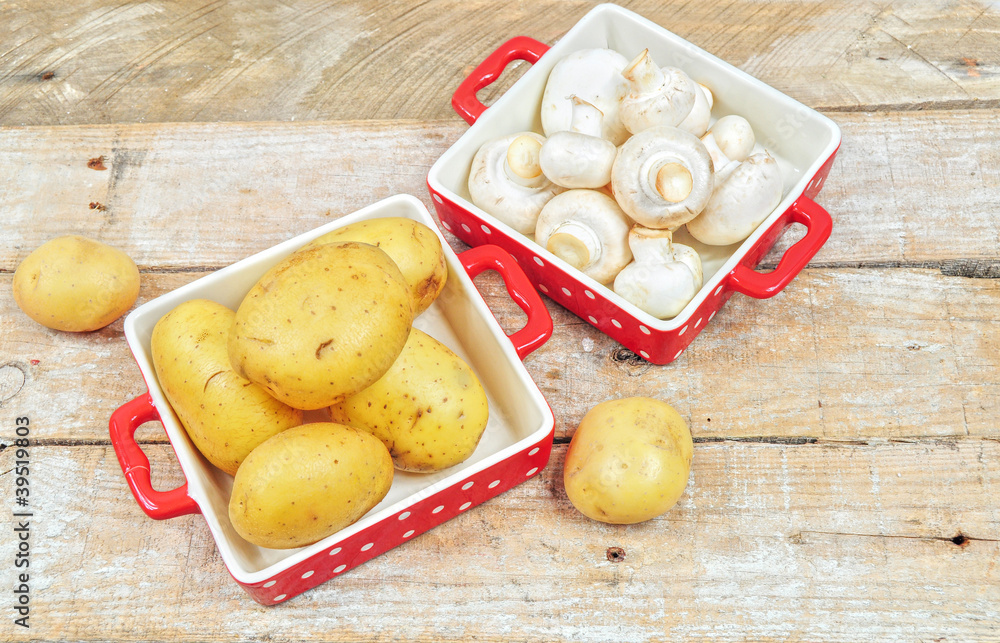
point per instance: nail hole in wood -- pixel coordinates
(616, 554)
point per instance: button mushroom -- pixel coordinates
(664, 277)
(587, 230)
(662, 177)
(730, 139)
(656, 96)
(507, 182)
(595, 75)
(745, 196)
(579, 157)
(700, 115)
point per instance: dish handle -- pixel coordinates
(538, 329)
(762, 285)
(159, 505)
(464, 100)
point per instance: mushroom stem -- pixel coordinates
(643, 73)
(650, 244)
(521, 164)
(673, 182)
(576, 244)
(587, 118)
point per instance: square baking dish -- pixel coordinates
(803, 142)
(515, 445)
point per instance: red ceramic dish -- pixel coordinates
(515, 446)
(803, 141)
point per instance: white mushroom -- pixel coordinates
(730, 139)
(506, 180)
(662, 177)
(656, 96)
(700, 116)
(742, 200)
(579, 157)
(664, 277)
(595, 75)
(587, 230)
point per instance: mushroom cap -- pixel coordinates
(595, 76)
(588, 230)
(730, 139)
(649, 175)
(740, 203)
(654, 99)
(700, 115)
(575, 160)
(664, 277)
(515, 200)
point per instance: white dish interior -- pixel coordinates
(799, 138)
(459, 318)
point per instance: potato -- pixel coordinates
(225, 415)
(76, 284)
(429, 409)
(628, 460)
(414, 247)
(308, 482)
(322, 324)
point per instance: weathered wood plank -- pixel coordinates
(906, 189)
(839, 355)
(106, 62)
(767, 543)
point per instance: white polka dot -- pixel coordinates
(543, 288)
(437, 509)
(270, 583)
(339, 569)
(408, 534)
(644, 330)
(683, 330)
(567, 292)
(494, 484)
(280, 597)
(486, 229)
(712, 315)
(678, 353)
(467, 485)
(589, 294)
(644, 354)
(465, 506)
(438, 199)
(593, 320)
(308, 573)
(697, 323)
(616, 323)
(335, 551)
(466, 228)
(533, 451)
(718, 290)
(368, 546)
(539, 261)
(532, 471)
(446, 225)
(404, 515)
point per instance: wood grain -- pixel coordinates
(110, 62)
(840, 355)
(767, 541)
(904, 189)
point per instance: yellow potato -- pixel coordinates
(628, 460)
(322, 324)
(414, 247)
(76, 284)
(429, 409)
(225, 415)
(307, 483)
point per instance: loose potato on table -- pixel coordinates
(322, 324)
(414, 247)
(76, 284)
(225, 415)
(628, 461)
(429, 409)
(307, 483)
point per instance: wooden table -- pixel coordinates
(846, 475)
